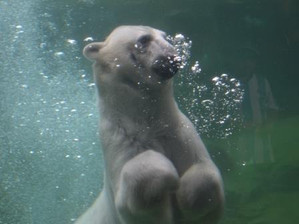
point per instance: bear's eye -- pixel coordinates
(144, 40)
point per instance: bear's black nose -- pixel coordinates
(166, 66)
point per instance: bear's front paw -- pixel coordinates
(200, 196)
(145, 183)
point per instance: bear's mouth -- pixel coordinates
(166, 66)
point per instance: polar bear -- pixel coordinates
(157, 170)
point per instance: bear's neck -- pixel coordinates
(133, 108)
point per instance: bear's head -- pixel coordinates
(133, 55)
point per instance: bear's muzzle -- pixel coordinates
(166, 66)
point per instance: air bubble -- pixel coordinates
(196, 68)
(72, 42)
(179, 37)
(224, 76)
(42, 45)
(59, 54)
(215, 79)
(25, 86)
(87, 39)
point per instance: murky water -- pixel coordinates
(48, 134)
(50, 158)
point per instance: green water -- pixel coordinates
(50, 162)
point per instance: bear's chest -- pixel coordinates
(120, 145)
(132, 140)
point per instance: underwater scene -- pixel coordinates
(238, 84)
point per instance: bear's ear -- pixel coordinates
(91, 51)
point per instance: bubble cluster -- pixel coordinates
(183, 46)
(213, 105)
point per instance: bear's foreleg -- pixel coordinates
(145, 185)
(200, 195)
